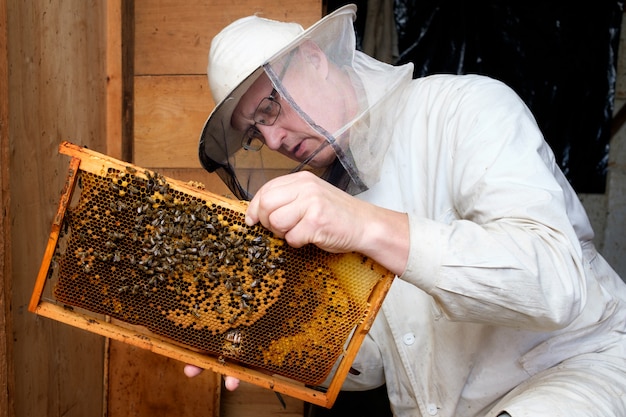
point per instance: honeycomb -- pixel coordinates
(138, 248)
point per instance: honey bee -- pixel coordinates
(233, 336)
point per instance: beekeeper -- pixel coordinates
(501, 305)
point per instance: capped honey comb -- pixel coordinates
(179, 261)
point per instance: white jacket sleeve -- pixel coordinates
(508, 253)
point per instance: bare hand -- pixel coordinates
(303, 209)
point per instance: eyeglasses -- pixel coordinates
(265, 114)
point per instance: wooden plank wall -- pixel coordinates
(58, 62)
(172, 99)
(171, 103)
(56, 84)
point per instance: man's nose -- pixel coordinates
(272, 135)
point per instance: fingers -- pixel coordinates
(303, 209)
(282, 202)
(231, 383)
(277, 193)
(192, 371)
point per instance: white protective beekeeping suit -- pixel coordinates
(504, 303)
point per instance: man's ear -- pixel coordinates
(315, 56)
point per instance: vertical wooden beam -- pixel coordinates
(114, 93)
(120, 74)
(6, 367)
(128, 79)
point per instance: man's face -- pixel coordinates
(290, 134)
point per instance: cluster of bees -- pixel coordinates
(141, 237)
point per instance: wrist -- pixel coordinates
(386, 239)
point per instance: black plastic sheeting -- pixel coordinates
(560, 57)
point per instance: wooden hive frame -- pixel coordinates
(83, 159)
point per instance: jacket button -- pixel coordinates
(432, 409)
(408, 339)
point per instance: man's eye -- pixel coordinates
(264, 114)
(267, 112)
